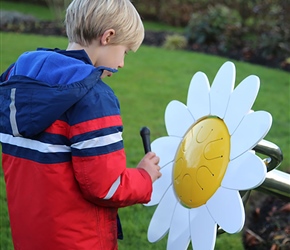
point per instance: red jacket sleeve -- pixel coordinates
(98, 156)
(112, 184)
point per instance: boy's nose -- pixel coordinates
(121, 65)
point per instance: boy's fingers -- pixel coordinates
(156, 160)
(159, 175)
(154, 157)
(150, 154)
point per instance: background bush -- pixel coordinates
(260, 27)
(175, 42)
(216, 24)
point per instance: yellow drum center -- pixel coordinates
(201, 161)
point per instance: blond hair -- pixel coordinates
(87, 20)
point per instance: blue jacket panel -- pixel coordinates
(32, 99)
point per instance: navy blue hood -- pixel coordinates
(40, 86)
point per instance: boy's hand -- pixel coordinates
(150, 164)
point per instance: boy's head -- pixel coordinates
(87, 20)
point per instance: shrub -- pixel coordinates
(274, 35)
(217, 24)
(175, 42)
(172, 12)
(274, 43)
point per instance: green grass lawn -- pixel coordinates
(151, 78)
(37, 11)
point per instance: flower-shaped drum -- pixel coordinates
(206, 159)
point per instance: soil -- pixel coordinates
(267, 223)
(268, 218)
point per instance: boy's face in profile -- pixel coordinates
(111, 56)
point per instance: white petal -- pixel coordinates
(161, 185)
(177, 119)
(161, 219)
(251, 130)
(222, 88)
(165, 148)
(226, 207)
(245, 172)
(179, 233)
(203, 229)
(198, 96)
(241, 101)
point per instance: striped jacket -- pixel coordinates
(62, 154)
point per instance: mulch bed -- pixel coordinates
(267, 223)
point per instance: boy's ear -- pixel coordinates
(107, 36)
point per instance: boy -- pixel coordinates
(61, 132)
